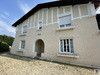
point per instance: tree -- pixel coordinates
(8, 39)
(4, 47)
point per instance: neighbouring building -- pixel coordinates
(63, 31)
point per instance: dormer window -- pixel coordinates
(40, 25)
(24, 29)
(65, 21)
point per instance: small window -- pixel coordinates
(66, 46)
(40, 25)
(65, 21)
(22, 44)
(24, 29)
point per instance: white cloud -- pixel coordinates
(5, 26)
(6, 13)
(24, 7)
(3, 16)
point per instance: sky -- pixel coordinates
(12, 10)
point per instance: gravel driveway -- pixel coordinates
(15, 65)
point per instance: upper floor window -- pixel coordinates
(66, 46)
(65, 21)
(40, 25)
(22, 44)
(24, 29)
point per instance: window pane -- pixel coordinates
(22, 44)
(68, 25)
(61, 44)
(67, 45)
(40, 25)
(64, 45)
(24, 29)
(71, 44)
(62, 26)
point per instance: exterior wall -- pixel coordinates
(86, 37)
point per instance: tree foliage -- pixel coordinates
(8, 39)
(4, 47)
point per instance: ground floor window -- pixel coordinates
(22, 44)
(66, 46)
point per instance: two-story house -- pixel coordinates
(62, 31)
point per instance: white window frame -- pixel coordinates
(21, 45)
(70, 51)
(40, 27)
(65, 24)
(23, 29)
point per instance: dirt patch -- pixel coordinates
(16, 65)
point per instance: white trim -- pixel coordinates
(58, 16)
(34, 47)
(59, 47)
(81, 17)
(38, 19)
(89, 13)
(31, 22)
(57, 12)
(47, 17)
(79, 11)
(34, 19)
(64, 10)
(20, 45)
(68, 55)
(42, 16)
(51, 15)
(85, 16)
(71, 13)
(76, 18)
(66, 44)
(63, 45)
(69, 46)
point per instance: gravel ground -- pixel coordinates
(15, 65)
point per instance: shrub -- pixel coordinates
(4, 46)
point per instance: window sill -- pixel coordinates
(67, 28)
(23, 34)
(20, 50)
(68, 55)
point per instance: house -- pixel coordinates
(62, 31)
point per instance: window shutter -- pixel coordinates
(65, 20)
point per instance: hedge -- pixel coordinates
(4, 46)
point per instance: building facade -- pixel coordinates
(65, 33)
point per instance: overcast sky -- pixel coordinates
(12, 10)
